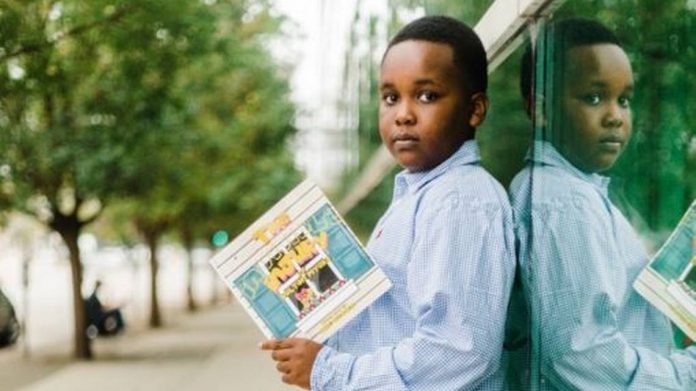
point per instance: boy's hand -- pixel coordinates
(295, 357)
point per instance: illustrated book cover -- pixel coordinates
(299, 271)
(669, 280)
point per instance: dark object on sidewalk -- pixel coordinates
(100, 320)
(9, 326)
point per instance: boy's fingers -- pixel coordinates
(289, 343)
(272, 344)
(281, 355)
(283, 367)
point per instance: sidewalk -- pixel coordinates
(213, 349)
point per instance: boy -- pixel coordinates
(445, 242)
(578, 254)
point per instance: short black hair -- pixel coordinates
(467, 50)
(564, 35)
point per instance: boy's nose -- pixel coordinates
(614, 117)
(404, 115)
(613, 122)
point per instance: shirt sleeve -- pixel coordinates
(458, 283)
(579, 286)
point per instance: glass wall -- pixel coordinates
(610, 91)
(591, 130)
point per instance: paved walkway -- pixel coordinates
(213, 349)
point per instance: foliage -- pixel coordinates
(156, 104)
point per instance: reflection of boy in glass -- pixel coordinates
(578, 254)
(445, 242)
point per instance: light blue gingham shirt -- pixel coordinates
(579, 257)
(446, 243)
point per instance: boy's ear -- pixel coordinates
(479, 108)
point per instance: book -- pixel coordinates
(669, 281)
(299, 271)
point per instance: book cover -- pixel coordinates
(669, 280)
(299, 271)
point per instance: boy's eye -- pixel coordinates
(625, 101)
(427, 96)
(592, 99)
(389, 98)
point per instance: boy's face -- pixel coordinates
(595, 110)
(424, 110)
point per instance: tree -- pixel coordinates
(47, 90)
(228, 118)
(84, 90)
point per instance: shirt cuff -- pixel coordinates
(330, 370)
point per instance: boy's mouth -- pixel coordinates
(404, 140)
(612, 143)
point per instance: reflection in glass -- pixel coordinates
(578, 253)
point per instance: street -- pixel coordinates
(213, 348)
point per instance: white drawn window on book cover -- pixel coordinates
(302, 273)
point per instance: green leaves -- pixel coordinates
(165, 104)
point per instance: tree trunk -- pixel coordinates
(213, 283)
(187, 239)
(69, 229)
(152, 240)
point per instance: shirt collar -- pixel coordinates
(406, 181)
(547, 154)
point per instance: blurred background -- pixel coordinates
(137, 137)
